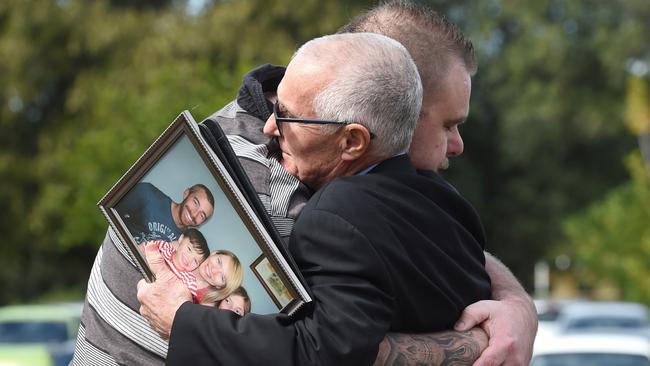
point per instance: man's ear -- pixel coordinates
(356, 141)
(186, 193)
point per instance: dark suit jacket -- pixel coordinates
(391, 250)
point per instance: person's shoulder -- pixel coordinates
(372, 182)
(391, 177)
(437, 179)
(245, 116)
(353, 192)
(145, 187)
(339, 186)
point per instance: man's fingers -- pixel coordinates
(144, 311)
(164, 335)
(140, 284)
(165, 276)
(140, 287)
(473, 315)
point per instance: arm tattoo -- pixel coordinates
(447, 348)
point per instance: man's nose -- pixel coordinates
(455, 145)
(271, 128)
(194, 213)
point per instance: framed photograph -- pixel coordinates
(180, 186)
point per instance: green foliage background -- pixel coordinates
(86, 86)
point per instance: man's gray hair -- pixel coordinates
(374, 83)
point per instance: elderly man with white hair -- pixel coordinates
(381, 247)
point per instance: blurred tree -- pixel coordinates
(610, 240)
(638, 108)
(144, 4)
(87, 86)
(163, 63)
(546, 133)
(40, 54)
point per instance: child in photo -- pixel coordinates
(180, 256)
(238, 302)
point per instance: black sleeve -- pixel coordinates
(349, 316)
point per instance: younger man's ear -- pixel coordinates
(356, 141)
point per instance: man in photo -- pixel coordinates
(180, 256)
(150, 214)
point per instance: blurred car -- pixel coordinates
(38, 335)
(548, 310)
(610, 317)
(592, 350)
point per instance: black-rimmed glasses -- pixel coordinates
(279, 120)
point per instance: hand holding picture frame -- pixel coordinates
(181, 182)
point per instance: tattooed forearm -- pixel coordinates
(443, 348)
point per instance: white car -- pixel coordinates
(608, 317)
(592, 350)
(35, 335)
(548, 310)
